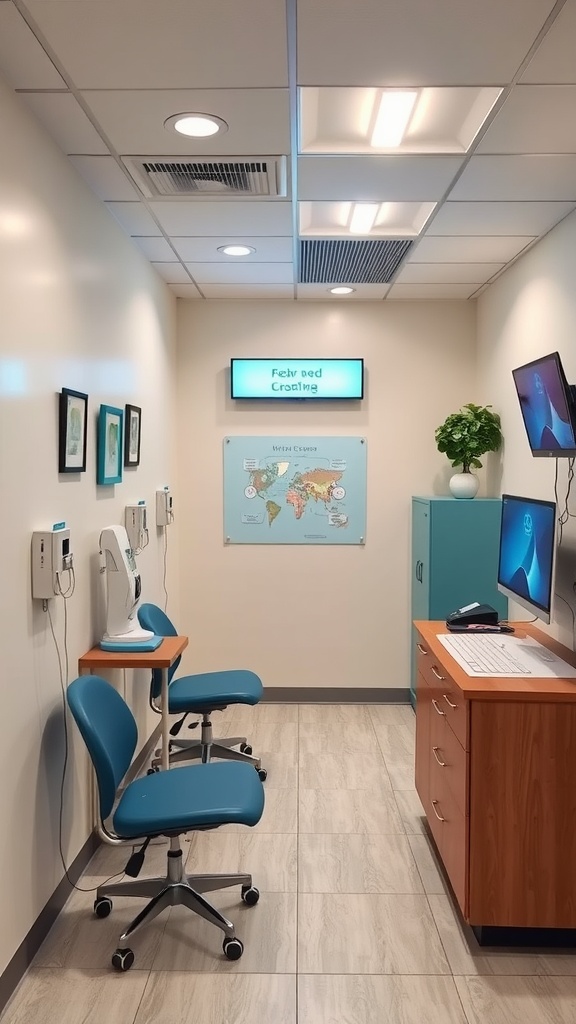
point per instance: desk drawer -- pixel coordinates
(448, 696)
(452, 759)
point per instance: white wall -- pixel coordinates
(528, 312)
(80, 308)
(314, 615)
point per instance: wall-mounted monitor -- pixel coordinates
(526, 555)
(548, 406)
(341, 379)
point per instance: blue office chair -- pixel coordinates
(168, 803)
(201, 694)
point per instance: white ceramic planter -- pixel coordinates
(464, 485)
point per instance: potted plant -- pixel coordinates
(465, 436)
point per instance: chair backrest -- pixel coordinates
(150, 616)
(109, 731)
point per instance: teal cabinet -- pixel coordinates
(454, 559)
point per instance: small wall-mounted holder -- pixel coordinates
(164, 510)
(51, 556)
(135, 520)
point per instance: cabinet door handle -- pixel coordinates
(437, 709)
(449, 702)
(437, 674)
(421, 649)
(418, 564)
(441, 763)
(439, 816)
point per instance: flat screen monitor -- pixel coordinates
(526, 556)
(297, 378)
(547, 406)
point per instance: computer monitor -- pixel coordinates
(548, 406)
(526, 555)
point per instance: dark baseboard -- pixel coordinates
(31, 943)
(336, 695)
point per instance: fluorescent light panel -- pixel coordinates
(363, 217)
(392, 119)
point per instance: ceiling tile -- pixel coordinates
(134, 218)
(534, 119)
(156, 249)
(219, 44)
(431, 291)
(476, 249)
(377, 178)
(245, 273)
(258, 121)
(362, 293)
(205, 250)
(517, 178)
(185, 291)
(243, 217)
(342, 120)
(497, 218)
(64, 119)
(330, 220)
(415, 42)
(24, 63)
(554, 59)
(173, 273)
(447, 273)
(248, 291)
(105, 177)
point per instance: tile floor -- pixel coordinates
(354, 924)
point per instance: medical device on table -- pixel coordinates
(123, 588)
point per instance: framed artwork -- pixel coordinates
(132, 427)
(72, 417)
(109, 445)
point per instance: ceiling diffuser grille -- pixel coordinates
(175, 177)
(351, 262)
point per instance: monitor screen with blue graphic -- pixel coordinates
(547, 406)
(526, 557)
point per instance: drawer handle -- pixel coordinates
(439, 710)
(449, 702)
(441, 763)
(421, 649)
(439, 816)
(437, 674)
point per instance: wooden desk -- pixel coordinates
(496, 774)
(162, 658)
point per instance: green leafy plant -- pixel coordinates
(469, 433)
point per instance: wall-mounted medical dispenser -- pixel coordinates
(51, 556)
(164, 510)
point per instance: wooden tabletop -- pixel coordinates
(164, 656)
(510, 687)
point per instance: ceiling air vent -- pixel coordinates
(173, 177)
(351, 262)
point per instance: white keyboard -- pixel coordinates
(485, 655)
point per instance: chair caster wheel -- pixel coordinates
(262, 774)
(103, 906)
(152, 771)
(122, 959)
(250, 895)
(233, 948)
(245, 748)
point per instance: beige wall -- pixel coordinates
(81, 309)
(528, 312)
(314, 615)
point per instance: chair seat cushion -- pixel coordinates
(184, 799)
(208, 690)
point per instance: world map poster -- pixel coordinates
(295, 490)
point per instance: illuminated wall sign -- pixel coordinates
(297, 378)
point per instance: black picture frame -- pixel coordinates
(132, 435)
(72, 431)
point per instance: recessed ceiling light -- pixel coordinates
(363, 217)
(196, 126)
(341, 290)
(392, 119)
(236, 250)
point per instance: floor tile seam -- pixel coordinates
(297, 922)
(379, 748)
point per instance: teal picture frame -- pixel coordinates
(109, 445)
